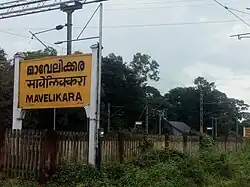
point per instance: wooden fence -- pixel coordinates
(35, 153)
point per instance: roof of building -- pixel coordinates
(180, 126)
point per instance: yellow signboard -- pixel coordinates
(55, 82)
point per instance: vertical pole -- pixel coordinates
(93, 108)
(2, 139)
(216, 127)
(16, 120)
(121, 146)
(213, 130)
(237, 131)
(69, 32)
(99, 66)
(54, 120)
(201, 111)
(109, 112)
(146, 121)
(237, 126)
(160, 113)
(99, 81)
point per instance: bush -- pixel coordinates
(77, 174)
(209, 168)
(152, 157)
(115, 171)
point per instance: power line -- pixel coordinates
(158, 2)
(143, 25)
(169, 24)
(26, 37)
(161, 2)
(161, 7)
(240, 11)
(14, 34)
(85, 26)
(229, 10)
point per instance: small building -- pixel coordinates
(176, 128)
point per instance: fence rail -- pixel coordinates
(38, 153)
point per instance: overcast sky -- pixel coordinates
(183, 47)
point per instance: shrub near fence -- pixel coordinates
(34, 153)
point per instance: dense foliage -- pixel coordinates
(209, 168)
(125, 85)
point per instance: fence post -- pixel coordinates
(185, 138)
(53, 151)
(121, 147)
(48, 153)
(42, 173)
(225, 143)
(2, 138)
(166, 141)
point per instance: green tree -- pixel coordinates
(185, 106)
(40, 53)
(6, 90)
(145, 68)
(121, 87)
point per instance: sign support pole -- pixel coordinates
(93, 133)
(17, 112)
(99, 66)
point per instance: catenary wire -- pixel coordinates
(27, 37)
(85, 26)
(232, 12)
(139, 25)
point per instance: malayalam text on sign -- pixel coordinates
(55, 82)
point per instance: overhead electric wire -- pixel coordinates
(161, 2)
(165, 7)
(28, 37)
(158, 2)
(146, 25)
(229, 10)
(159, 7)
(168, 24)
(240, 11)
(88, 22)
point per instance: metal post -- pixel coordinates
(69, 32)
(201, 111)
(237, 126)
(17, 117)
(160, 113)
(99, 66)
(54, 120)
(146, 121)
(69, 9)
(99, 80)
(109, 112)
(212, 126)
(216, 127)
(93, 108)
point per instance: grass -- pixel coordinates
(209, 168)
